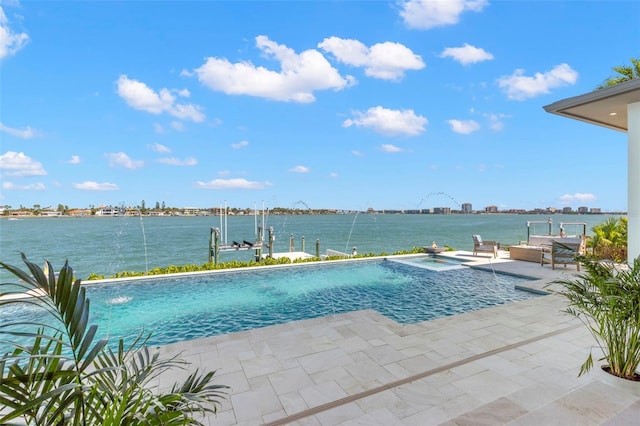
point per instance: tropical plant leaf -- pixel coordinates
(64, 376)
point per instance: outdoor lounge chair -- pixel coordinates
(561, 254)
(480, 246)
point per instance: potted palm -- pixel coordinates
(55, 371)
(606, 298)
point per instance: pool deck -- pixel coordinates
(514, 364)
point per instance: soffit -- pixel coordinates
(605, 107)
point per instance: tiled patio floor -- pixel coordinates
(515, 364)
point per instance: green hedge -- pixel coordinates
(234, 264)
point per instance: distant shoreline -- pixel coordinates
(303, 213)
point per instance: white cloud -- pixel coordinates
(357, 153)
(30, 187)
(388, 122)
(10, 41)
(299, 169)
(519, 86)
(466, 54)
(464, 127)
(157, 147)
(172, 161)
(333, 175)
(241, 144)
(18, 164)
(426, 14)
(140, 96)
(95, 186)
(158, 128)
(387, 60)
(75, 159)
(177, 125)
(120, 159)
(495, 121)
(26, 133)
(299, 76)
(231, 184)
(390, 148)
(578, 197)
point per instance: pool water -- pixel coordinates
(185, 308)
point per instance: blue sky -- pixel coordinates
(350, 105)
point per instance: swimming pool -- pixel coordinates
(196, 306)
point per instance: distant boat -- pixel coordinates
(14, 218)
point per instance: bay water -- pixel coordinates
(107, 245)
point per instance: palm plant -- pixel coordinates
(58, 373)
(626, 73)
(609, 239)
(606, 298)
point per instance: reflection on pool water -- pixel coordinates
(196, 306)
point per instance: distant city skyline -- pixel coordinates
(348, 105)
(159, 207)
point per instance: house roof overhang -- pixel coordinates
(604, 107)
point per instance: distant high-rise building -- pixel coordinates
(583, 210)
(596, 210)
(442, 210)
(566, 210)
(491, 209)
(467, 208)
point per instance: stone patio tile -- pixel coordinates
(325, 360)
(320, 343)
(420, 395)
(417, 364)
(222, 365)
(397, 371)
(322, 394)
(340, 376)
(261, 347)
(379, 417)
(353, 344)
(259, 383)
(384, 354)
(232, 348)
(325, 330)
(276, 415)
(293, 379)
(537, 395)
(307, 421)
(389, 401)
(260, 366)
(293, 403)
(498, 412)
(339, 415)
(486, 386)
(222, 418)
(431, 416)
(369, 374)
(448, 349)
(236, 380)
(628, 417)
(458, 405)
(501, 366)
(484, 344)
(252, 405)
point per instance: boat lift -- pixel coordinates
(218, 238)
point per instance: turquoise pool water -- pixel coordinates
(185, 308)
